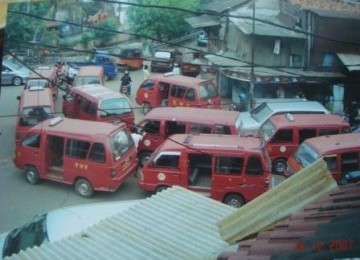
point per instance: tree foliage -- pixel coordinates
(159, 23)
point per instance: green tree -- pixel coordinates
(106, 33)
(159, 23)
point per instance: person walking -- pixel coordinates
(146, 71)
(125, 86)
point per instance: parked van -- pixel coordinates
(35, 105)
(251, 121)
(227, 168)
(44, 77)
(341, 153)
(98, 103)
(130, 56)
(177, 90)
(89, 155)
(282, 134)
(161, 122)
(89, 75)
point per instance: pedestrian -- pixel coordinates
(146, 71)
(136, 136)
(176, 69)
(126, 83)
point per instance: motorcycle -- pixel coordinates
(125, 89)
(240, 106)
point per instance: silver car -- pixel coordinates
(14, 73)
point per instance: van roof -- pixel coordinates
(329, 143)
(96, 92)
(36, 97)
(288, 119)
(178, 79)
(192, 114)
(77, 127)
(90, 70)
(209, 141)
(296, 105)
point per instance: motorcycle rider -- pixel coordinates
(126, 83)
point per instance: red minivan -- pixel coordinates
(98, 103)
(282, 134)
(35, 105)
(227, 168)
(89, 155)
(44, 77)
(177, 90)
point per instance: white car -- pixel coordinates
(14, 73)
(58, 224)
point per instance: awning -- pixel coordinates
(203, 21)
(351, 61)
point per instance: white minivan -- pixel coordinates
(58, 224)
(250, 122)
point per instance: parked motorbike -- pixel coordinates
(125, 89)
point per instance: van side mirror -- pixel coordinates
(18, 98)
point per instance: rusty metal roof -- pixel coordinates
(203, 21)
(350, 61)
(325, 229)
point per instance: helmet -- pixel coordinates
(126, 72)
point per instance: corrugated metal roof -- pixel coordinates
(351, 61)
(293, 194)
(173, 224)
(203, 21)
(224, 5)
(335, 14)
(325, 229)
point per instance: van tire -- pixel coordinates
(279, 166)
(143, 158)
(84, 188)
(161, 188)
(31, 175)
(234, 200)
(146, 108)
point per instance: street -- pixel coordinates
(20, 201)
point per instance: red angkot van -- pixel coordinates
(177, 90)
(92, 156)
(227, 168)
(341, 153)
(44, 77)
(98, 103)
(282, 134)
(35, 105)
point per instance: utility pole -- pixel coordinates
(252, 74)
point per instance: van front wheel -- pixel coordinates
(146, 108)
(234, 200)
(84, 188)
(31, 175)
(278, 166)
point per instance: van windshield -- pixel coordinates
(120, 143)
(207, 91)
(37, 83)
(267, 130)
(87, 80)
(115, 106)
(31, 116)
(261, 113)
(305, 155)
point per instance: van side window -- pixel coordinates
(283, 136)
(331, 162)
(350, 162)
(32, 140)
(149, 84)
(229, 165)
(190, 94)
(305, 134)
(69, 97)
(177, 91)
(173, 127)
(167, 160)
(88, 107)
(254, 166)
(152, 127)
(77, 148)
(97, 153)
(222, 130)
(199, 128)
(328, 131)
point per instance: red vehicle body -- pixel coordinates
(35, 105)
(177, 90)
(227, 168)
(98, 103)
(161, 122)
(341, 153)
(283, 133)
(43, 77)
(89, 75)
(90, 155)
